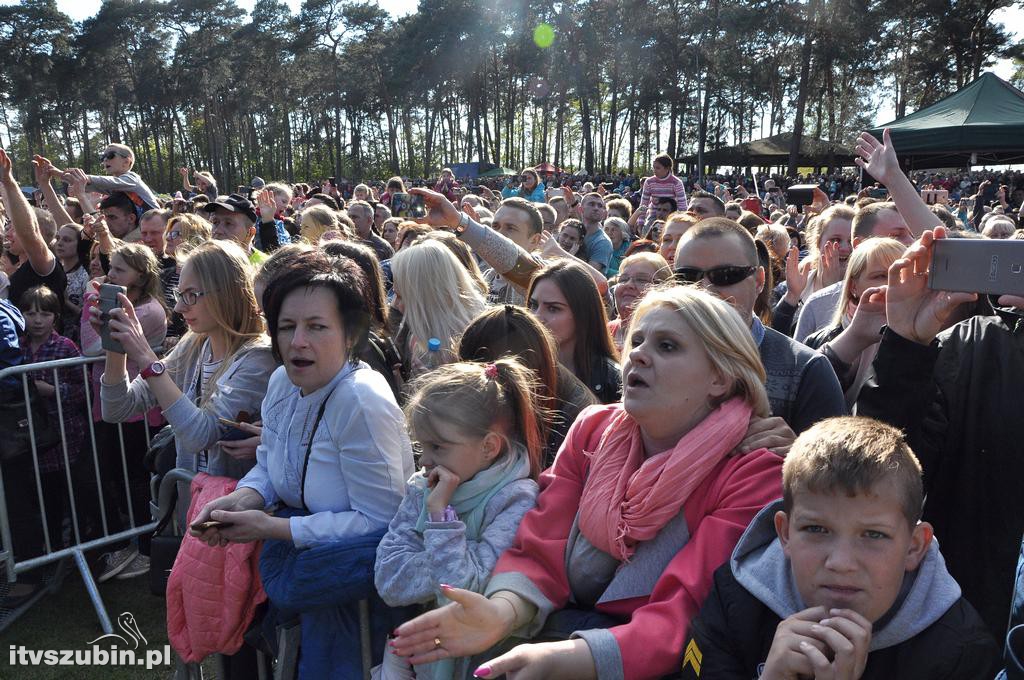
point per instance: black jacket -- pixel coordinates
(734, 632)
(959, 401)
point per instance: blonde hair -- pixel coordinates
(816, 228)
(324, 220)
(853, 455)
(440, 297)
(662, 272)
(140, 257)
(280, 189)
(193, 228)
(723, 334)
(475, 398)
(874, 251)
(225, 274)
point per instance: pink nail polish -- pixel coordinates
(482, 672)
(445, 586)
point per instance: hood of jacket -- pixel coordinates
(760, 566)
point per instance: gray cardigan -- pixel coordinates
(241, 387)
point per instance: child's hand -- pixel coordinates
(848, 635)
(442, 483)
(786, 658)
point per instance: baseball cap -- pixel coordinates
(233, 203)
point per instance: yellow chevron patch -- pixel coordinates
(693, 657)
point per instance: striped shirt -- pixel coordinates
(671, 186)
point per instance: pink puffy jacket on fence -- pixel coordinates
(212, 592)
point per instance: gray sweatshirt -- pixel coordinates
(241, 387)
(129, 183)
(410, 566)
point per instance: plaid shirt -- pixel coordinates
(70, 387)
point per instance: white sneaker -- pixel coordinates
(115, 562)
(137, 567)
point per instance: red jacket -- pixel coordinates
(717, 512)
(212, 592)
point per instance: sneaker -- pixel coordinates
(137, 567)
(115, 562)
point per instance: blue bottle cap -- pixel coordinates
(434, 345)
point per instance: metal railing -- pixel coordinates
(78, 544)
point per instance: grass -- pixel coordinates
(67, 620)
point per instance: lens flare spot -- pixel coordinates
(544, 36)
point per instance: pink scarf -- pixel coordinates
(627, 499)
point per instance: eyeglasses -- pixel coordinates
(173, 235)
(110, 155)
(635, 280)
(189, 297)
(728, 275)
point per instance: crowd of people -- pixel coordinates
(549, 427)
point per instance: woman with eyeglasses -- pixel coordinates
(637, 273)
(530, 187)
(219, 369)
(182, 230)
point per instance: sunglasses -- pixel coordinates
(111, 155)
(728, 275)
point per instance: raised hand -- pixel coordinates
(6, 168)
(267, 205)
(878, 158)
(829, 269)
(43, 170)
(913, 310)
(440, 211)
(796, 276)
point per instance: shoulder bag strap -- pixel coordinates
(309, 447)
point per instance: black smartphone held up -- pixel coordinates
(234, 432)
(108, 303)
(800, 195)
(986, 266)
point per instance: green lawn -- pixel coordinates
(67, 620)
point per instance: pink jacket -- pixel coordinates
(212, 593)
(650, 645)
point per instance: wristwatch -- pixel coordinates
(154, 369)
(463, 223)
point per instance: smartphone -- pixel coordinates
(934, 196)
(234, 432)
(416, 206)
(800, 195)
(211, 524)
(400, 204)
(108, 303)
(989, 266)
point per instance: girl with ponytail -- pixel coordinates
(480, 429)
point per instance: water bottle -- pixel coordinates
(433, 357)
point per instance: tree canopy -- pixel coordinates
(342, 88)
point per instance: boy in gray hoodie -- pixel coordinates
(840, 579)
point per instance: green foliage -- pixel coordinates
(343, 89)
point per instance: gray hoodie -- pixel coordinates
(760, 566)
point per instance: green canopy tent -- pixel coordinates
(983, 123)
(499, 172)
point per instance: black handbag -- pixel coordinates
(162, 452)
(14, 424)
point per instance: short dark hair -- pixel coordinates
(667, 199)
(326, 200)
(715, 199)
(664, 160)
(532, 214)
(43, 298)
(315, 269)
(713, 227)
(866, 218)
(367, 260)
(119, 200)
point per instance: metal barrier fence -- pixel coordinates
(79, 543)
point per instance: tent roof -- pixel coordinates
(774, 150)
(985, 117)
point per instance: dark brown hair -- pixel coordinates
(577, 285)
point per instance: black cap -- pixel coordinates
(233, 203)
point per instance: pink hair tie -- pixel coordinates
(491, 371)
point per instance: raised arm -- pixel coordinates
(24, 220)
(44, 171)
(879, 160)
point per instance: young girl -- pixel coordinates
(41, 309)
(72, 249)
(480, 430)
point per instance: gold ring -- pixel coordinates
(437, 643)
